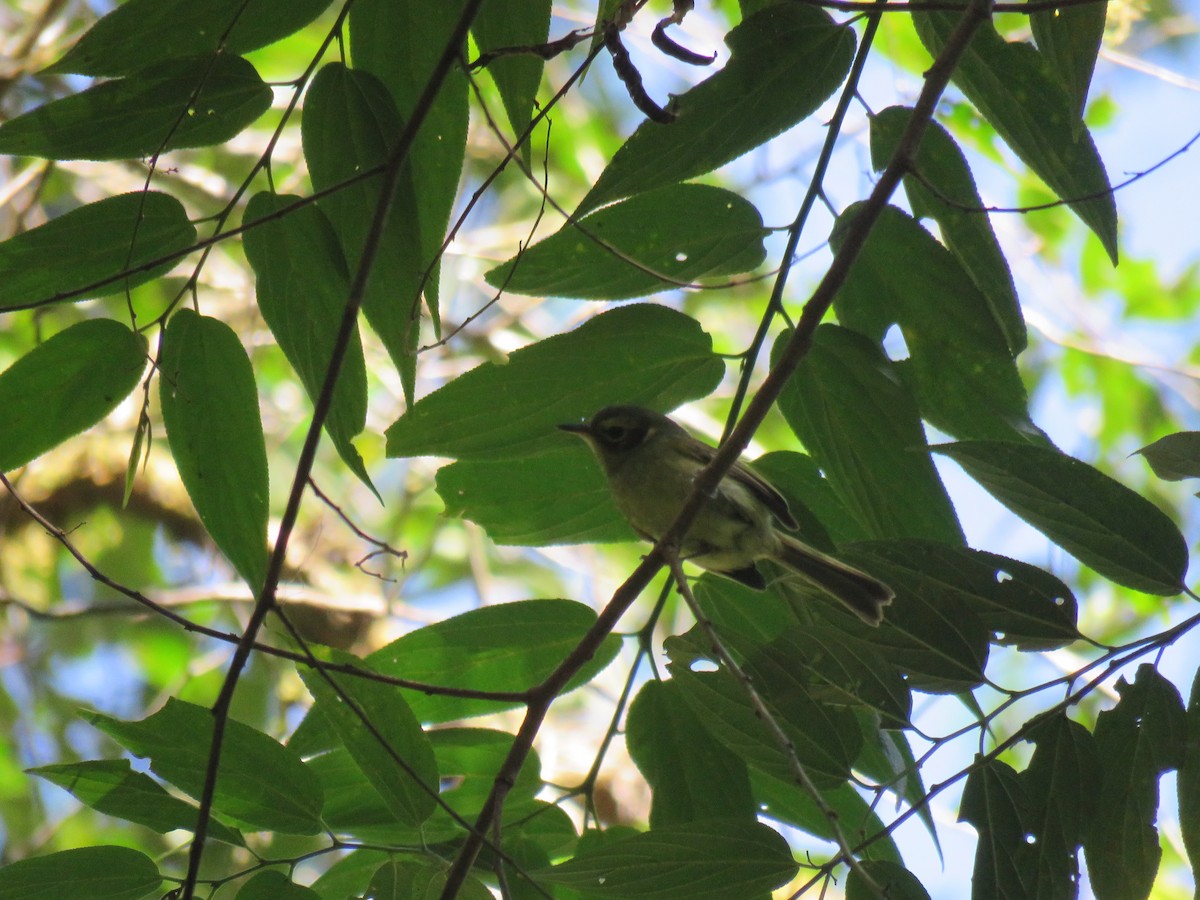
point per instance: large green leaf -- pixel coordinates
(261, 785)
(842, 669)
(111, 787)
(210, 409)
(614, 254)
(1069, 39)
(945, 191)
(90, 244)
(1096, 519)
(350, 126)
(274, 885)
(1188, 785)
(1019, 604)
(858, 422)
(787, 802)
(402, 768)
(98, 873)
(644, 354)
(192, 102)
(65, 386)
(302, 287)
(514, 23)
(692, 777)
(1014, 87)
(931, 632)
(786, 61)
(405, 879)
(825, 740)
(711, 860)
(1143, 736)
(896, 882)
(961, 371)
(995, 803)
(1061, 785)
(557, 497)
(140, 33)
(506, 647)
(1174, 457)
(400, 44)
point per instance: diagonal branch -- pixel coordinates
(936, 80)
(266, 597)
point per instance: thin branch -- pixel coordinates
(390, 176)
(767, 717)
(936, 80)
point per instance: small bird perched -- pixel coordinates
(651, 463)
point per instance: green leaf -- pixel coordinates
(470, 758)
(506, 647)
(156, 110)
(644, 354)
(274, 885)
(967, 234)
(861, 426)
(261, 784)
(514, 23)
(210, 409)
(111, 787)
(931, 632)
(350, 875)
(612, 254)
(1014, 88)
(1069, 40)
(692, 777)
(896, 882)
(400, 44)
(786, 61)
(66, 386)
(1143, 736)
(842, 669)
(995, 803)
(404, 879)
(711, 860)
(961, 371)
(789, 803)
(1097, 520)
(302, 288)
(89, 244)
(1020, 604)
(1174, 457)
(534, 501)
(395, 757)
(98, 873)
(350, 126)
(888, 759)
(825, 740)
(400, 879)
(1061, 785)
(141, 33)
(1188, 784)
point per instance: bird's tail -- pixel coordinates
(865, 595)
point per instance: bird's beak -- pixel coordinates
(579, 428)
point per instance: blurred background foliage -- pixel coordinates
(1112, 365)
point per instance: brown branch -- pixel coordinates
(390, 177)
(936, 80)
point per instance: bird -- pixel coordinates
(651, 462)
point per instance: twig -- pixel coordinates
(390, 176)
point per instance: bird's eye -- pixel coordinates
(614, 434)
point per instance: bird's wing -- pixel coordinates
(762, 489)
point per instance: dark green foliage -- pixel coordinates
(380, 739)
